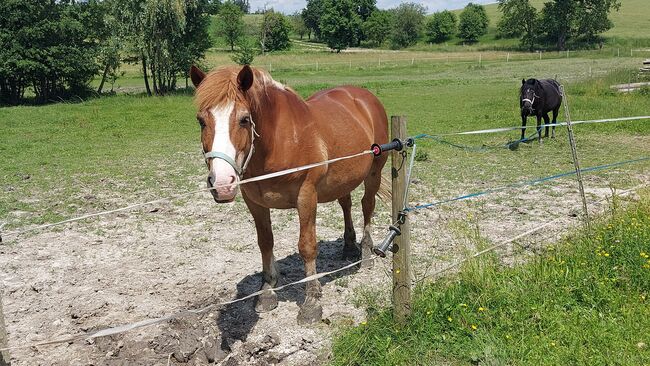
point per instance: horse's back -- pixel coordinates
(553, 93)
(345, 107)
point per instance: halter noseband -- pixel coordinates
(219, 155)
(531, 101)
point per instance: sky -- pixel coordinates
(291, 6)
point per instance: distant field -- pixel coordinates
(632, 21)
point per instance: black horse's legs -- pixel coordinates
(546, 122)
(539, 128)
(555, 111)
(523, 127)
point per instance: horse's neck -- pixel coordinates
(278, 113)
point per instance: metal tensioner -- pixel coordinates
(393, 231)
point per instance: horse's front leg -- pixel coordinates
(523, 127)
(547, 121)
(262, 216)
(539, 128)
(310, 311)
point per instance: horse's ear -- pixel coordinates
(245, 78)
(197, 76)
(523, 81)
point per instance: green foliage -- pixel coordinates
(576, 20)
(441, 26)
(339, 24)
(473, 23)
(519, 20)
(244, 5)
(245, 53)
(408, 24)
(584, 302)
(212, 6)
(46, 46)
(298, 24)
(377, 26)
(231, 23)
(365, 8)
(311, 15)
(275, 32)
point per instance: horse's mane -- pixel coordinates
(220, 87)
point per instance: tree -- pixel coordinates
(408, 23)
(441, 26)
(165, 36)
(579, 20)
(275, 32)
(243, 5)
(212, 7)
(245, 52)
(298, 24)
(339, 24)
(311, 15)
(473, 22)
(519, 20)
(49, 47)
(231, 23)
(377, 26)
(365, 8)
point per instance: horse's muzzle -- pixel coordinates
(222, 195)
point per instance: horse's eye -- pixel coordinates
(244, 121)
(201, 122)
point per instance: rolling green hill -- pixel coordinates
(632, 21)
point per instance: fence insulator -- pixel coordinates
(387, 244)
(396, 144)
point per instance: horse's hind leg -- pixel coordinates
(350, 249)
(372, 183)
(268, 300)
(539, 129)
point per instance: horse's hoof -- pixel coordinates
(310, 314)
(366, 255)
(266, 302)
(351, 252)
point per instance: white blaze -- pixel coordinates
(221, 171)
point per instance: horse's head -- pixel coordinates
(527, 96)
(227, 126)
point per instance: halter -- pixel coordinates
(532, 102)
(231, 161)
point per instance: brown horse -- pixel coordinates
(252, 125)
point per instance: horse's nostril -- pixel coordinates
(232, 179)
(210, 182)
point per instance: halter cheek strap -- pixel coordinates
(231, 161)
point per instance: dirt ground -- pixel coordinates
(153, 262)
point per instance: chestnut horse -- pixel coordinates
(253, 125)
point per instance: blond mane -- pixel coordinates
(220, 87)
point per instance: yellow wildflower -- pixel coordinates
(449, 319)
(474, 327)
(481, 309)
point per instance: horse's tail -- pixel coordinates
(385, 191)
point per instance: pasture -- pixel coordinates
(64, 160)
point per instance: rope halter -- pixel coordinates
(219, 155)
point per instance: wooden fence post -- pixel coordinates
(401, 259)
(4, 356)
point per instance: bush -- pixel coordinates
(441, 26)
(473, 23)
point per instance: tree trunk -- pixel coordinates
(101, 83)
(144, 71)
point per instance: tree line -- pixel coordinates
(53, 49)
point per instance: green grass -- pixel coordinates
(582, 302)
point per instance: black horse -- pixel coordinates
(537, 98)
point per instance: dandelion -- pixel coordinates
(474, 327)
(397, 271)
(449, 319)
(481, 309)
(552, 344)
(463, 305)
(508, 336)
(364, 322)
(606, 254)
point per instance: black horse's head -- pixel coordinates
(527, 96)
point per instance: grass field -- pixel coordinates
(582, 302)
(50, 155)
